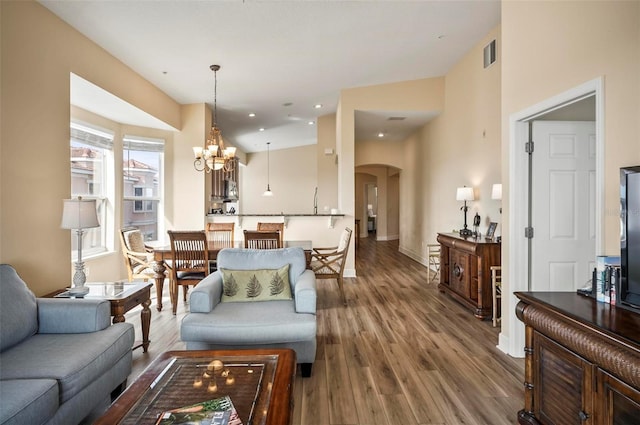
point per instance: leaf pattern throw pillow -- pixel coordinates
(256, 285)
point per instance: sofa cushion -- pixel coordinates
(256, 285)
(74, 360)
(254, 259)
(266, 322)
(18, 311)
(28, 401)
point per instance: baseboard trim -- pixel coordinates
(349, 273)
(422, 260)
(504, 346)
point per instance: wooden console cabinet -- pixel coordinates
(465, 272)
(582, 361)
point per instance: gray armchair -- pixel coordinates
(214, 323)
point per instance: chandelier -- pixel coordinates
(214, 155)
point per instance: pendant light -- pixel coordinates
(268, 192)
(214, 155)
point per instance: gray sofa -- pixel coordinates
(60, 359)
(212, 324)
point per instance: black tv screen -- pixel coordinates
(630, 236)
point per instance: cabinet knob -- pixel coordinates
(583, 416)
(457, 270)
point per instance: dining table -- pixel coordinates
(162, 259)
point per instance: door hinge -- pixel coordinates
(528, 232)
(528, 147)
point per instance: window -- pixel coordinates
(142, 206)
(91, 153)
(142, 177)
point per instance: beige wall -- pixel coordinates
(461, 146)
(375, 152)
(387, 201)
(551, 47)
(39, 51)
(393, 204)
(293, 178)
(327, 164)
(187, 196)
(417, 95)
(362, 180)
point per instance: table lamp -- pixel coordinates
(496, 193)
(79, 214)
(465, 194)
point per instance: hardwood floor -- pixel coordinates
(400, 352)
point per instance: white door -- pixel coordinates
(563, 205)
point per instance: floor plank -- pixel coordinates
(400, 352)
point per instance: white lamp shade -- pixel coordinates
(465, 194)
(79, 214)
(496, 191)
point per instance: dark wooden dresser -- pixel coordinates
(465, 272)
(582, 361)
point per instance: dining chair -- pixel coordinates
(221, 234)
(263, 227)
(138, 258)
(328, 263)
(433, 255)
(255, 239)
(189, 261)
(496, 292)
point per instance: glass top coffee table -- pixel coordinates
(259, 383)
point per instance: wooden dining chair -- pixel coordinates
(264, 227)
(189, 261)
(328, 263)
(254, 239)
(221, 234)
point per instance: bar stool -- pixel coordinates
(496, 290)
(433, 255)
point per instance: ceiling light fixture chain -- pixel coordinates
(215, 69)
(268, 192)
(214, 155)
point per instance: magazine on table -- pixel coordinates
(218, 411)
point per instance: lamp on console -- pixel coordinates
(465, 194)
(79, 214)
(496, 193)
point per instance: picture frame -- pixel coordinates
(491, 230)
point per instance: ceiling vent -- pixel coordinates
(489, 54)
(396, 118)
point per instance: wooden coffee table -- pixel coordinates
(122, 296)
(259, 383)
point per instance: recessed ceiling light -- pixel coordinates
(318, 105)
(311, 123)
(252, 114)
(381, 134)
(261, 128)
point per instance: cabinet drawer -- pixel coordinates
(460, 272)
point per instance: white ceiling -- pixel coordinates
(279, 58)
